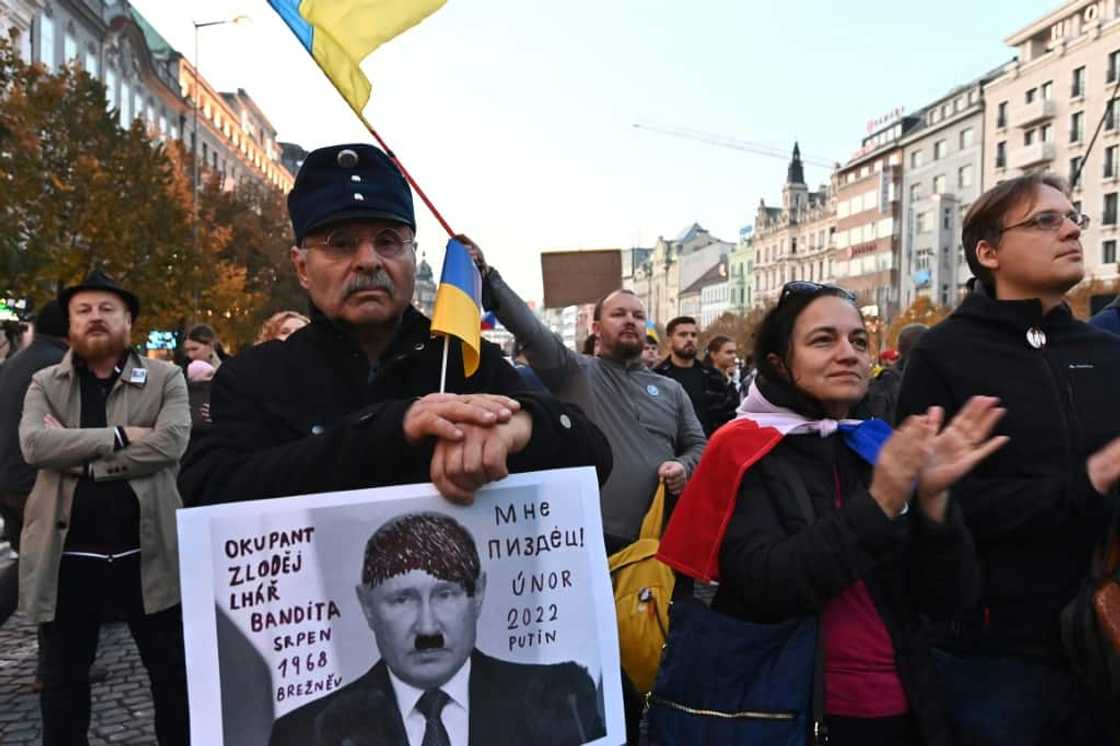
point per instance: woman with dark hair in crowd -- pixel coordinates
(203, 344)
(885, 542)
(721, 355)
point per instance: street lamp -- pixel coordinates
(241, 19)
(238, 20)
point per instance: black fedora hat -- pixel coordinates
(98, 280)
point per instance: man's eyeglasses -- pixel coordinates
(345, 242)
(1051, 220)
(804, 287)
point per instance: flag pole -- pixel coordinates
(443, 369)
(407, 176)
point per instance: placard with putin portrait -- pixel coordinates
(393, 617)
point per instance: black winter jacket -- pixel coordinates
(16, 477)
(308, 415)
(1030, 506)
(720, 397)
(774, 566)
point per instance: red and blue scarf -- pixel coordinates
(692, 539)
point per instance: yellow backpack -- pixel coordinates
(643, 587)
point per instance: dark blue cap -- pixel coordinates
(348, 182)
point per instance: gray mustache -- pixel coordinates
(377, 280)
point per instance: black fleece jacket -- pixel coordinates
(1030, 507)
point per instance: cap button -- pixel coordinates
(347, 158)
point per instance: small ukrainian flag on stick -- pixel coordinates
(458, 308)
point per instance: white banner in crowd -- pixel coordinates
(343, 618)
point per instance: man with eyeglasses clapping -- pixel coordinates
(1039, 506)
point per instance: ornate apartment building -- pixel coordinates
(794, 241)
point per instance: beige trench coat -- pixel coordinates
(149, 393)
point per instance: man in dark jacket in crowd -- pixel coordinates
(882, 397)
(16, 477)
(713, 397)
(1037, 507)
(350, 401)
(1108, 318)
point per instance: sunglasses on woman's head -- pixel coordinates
(804, 287)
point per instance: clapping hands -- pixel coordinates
(925, 459)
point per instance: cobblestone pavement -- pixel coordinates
(122, 704)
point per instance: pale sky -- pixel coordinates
(516, 116)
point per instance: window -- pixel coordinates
(1110, 115)
(964, 176)
(1077, 88)
(1028, 137)
(138, 105)
(91, 62)
(1001, 154)
(1108, 252)
(69, 47)
(921, 222)
(1076, 126)
(46, 41)
(915, 192)
(1048, 90)
(1001, 115)
(1110, 162)
(939, 184)
(916, 159)
(1032, 94)
(110, 88)
(1074, 167)
(947, 218)
(967, 137)
(1109, 216)
(939, 150)
(1046, 133)
(1113, 66)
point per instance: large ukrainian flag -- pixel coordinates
(340, 34)
(458, 307)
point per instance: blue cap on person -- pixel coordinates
(348, 182)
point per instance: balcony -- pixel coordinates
(1032, 155)
(1037, 111)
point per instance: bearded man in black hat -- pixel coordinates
(351, 400)
(105, 428)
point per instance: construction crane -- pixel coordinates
(730, 142)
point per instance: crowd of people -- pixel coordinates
(937, 521)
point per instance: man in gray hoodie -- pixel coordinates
(647, 418)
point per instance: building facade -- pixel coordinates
(19, 16)
(794, 241)
(867, 256)
(146, 79)
(942, 164)
(1043, 108)
(740, 270)
(673, 265)
(715, 294)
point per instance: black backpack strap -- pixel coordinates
(818, 731)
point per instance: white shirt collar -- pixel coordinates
(458, 689)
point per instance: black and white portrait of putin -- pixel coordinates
(422, 590)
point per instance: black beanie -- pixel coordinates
(51, 320)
